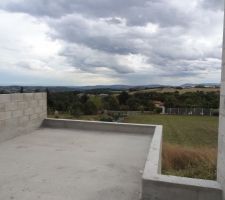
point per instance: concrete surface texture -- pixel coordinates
(221, 144)
(21, 113)
(68, 164)
(154, 185)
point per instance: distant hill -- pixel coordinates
(9, 89)
(200, 84)
(17, 88)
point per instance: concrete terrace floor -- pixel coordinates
(63, 164)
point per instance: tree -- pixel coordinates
(84, 98)
(21, 90)
(133, 103)
(49, 100)
(170, 101)
(141, 108)
(75, 109)
(90, 108)
(123, 97)
(150, 105)
(97, 101)
(111, 103)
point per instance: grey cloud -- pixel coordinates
(58, 8)
(165, 50)
(89, 60)
(213, 4)
(114, 20)
(136, 12)
(95, 34)
(24, 65)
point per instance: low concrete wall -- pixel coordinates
(21, 113)
(99, 126)
(155, 186)
(162, 187)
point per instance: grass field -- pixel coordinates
(189, 144)
(189, 131)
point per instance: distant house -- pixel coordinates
(158, 104)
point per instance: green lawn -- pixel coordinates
(190, 131)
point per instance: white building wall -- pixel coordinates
(221, 143)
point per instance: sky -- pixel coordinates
(104, 42)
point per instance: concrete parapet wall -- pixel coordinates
(154, 184)
(162, 187)
(21, 113)
(99, 126)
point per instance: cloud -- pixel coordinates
(123, 39)
(90, 60)
(34, 65)
(135, 12)
(213, 4)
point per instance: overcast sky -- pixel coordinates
(90, 42)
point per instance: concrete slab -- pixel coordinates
(63, 164)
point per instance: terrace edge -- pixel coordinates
(164, 187)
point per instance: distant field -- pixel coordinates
(181, 91)
(190, 144)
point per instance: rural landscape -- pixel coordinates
(188, 113)
(112, 100)
(189, 141)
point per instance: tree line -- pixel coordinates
(77, 103)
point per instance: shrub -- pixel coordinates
(90, 108)
(75, 109)
(106, 118)
(158, 110)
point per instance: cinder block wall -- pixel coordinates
(21, 113)
(221, 144)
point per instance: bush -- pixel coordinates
(133, 103)
(158, 110)
(215, 112)
(76, 113)
(106, 118)
(90, 108)
(111, 103)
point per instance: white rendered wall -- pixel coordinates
(221, 147)
(21, 113)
